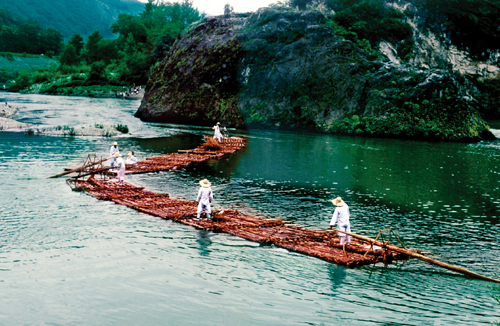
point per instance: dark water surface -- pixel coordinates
(69, 259)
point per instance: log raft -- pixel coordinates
(210, 150)
(320, 244)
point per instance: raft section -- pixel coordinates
(210, 150)
(321, 244)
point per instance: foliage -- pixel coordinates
(69, 55)
(22, 81)
(366, 23)
(78, 43)
(470, 24)
(122, 128)
(6, 75)
(143, 40)
(228, 10)
(97, 70)
(489, 99)
(301, 4)
(432, 116)
(373, 20)
(19, 35)
(98, 49)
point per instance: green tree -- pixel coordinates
(69, 56)
(97, 71)
(51, 41)
(128, 24)
(92, 48)
(30, 36)
(98, 49)
(134, 68)
(10, 41)
(78, 43)
(18, 35)
(162, 45)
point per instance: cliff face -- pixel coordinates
(285, 69)
(197, 83)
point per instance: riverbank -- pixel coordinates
(97, 91)
(7, 123)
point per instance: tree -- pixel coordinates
(51, 41)
(228, 10)
(91, 53)
(10, 41)
(30, 36)
(162, 45)
(301, 4)
(69, 56)
(128, 24)
(78, 43)
(18, 35)
(97, 70)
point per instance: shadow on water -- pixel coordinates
(337, 275)
(204, 241)
(217, 169)
(170, 144)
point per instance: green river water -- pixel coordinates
(68, 259)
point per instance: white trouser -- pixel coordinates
(343, 236)
(203, 206)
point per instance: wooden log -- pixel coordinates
(412, 253)
(81, 168)
(93, 172)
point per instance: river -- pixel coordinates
(68, 259)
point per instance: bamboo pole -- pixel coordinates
(411, 253)
(83, 167)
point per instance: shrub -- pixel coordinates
(122, 128)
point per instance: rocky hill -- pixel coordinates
(281, 68)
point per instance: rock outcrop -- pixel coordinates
(285, 69)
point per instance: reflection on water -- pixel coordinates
(203, 240)
(68, 258)
(337, 276)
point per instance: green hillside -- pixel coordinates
(71, 17)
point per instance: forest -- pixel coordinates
(19, 35)
(141, 41)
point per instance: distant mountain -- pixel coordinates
(74, 16)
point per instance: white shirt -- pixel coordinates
(205, 195)
(113, 150)
(341, 216)
(131, 160)
(119, 163)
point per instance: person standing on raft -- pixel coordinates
(120, 164)
(217, 133)
(341, 217)
(205, 197)
(112, 151)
